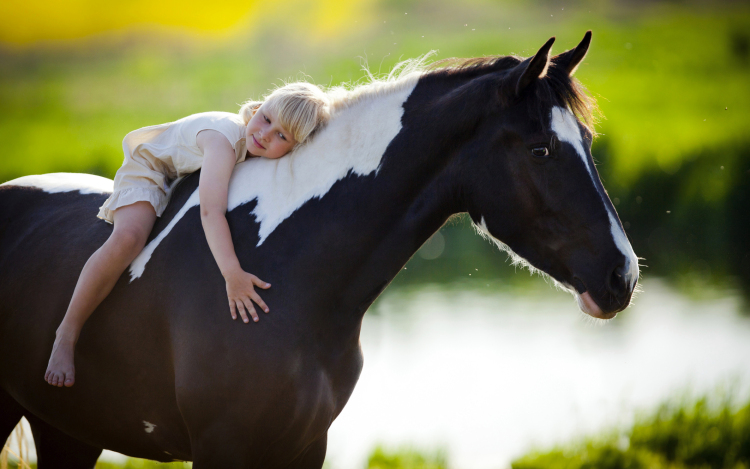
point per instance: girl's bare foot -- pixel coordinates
(60, 369)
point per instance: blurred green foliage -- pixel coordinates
(701, 434)
(671, 80)
(405, 458)
(132, 463)
(693, 224)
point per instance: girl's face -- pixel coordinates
(266, 137)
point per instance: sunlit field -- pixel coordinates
(670, 81)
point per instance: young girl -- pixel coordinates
(215, 142)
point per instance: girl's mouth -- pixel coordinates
(255, 142)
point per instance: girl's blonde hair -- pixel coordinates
(301, 108)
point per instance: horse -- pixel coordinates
(162, 371)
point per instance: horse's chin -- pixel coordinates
(589, 306)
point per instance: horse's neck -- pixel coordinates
(402, 207)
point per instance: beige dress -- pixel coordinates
(157, 155)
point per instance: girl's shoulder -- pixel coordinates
(212, 117)
(229, 124)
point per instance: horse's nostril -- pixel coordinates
(616, 281)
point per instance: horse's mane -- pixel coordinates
(556, 86)
(403, 75)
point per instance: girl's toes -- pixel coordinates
(69, 380)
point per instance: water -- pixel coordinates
(488, 374)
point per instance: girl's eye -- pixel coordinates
(281, 136)
(540, 152)
(266, 118)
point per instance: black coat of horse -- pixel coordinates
(162, 372)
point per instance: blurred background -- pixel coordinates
(468, 362)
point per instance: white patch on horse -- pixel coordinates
(149, 426)
(139, 263)
(353, 142)
(65, 182)
(565, 126)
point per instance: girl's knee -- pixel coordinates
(128, 240)
(133, 224)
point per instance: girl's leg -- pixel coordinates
(133, 223)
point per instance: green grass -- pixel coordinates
(133, 463)
(686, 435)
(405, 458)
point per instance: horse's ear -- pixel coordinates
(536, 67)
(570, 60)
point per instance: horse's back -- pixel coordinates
(158, 339)
(53, 210)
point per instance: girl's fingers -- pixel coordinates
(232, 309)
(249, 305)
(257, 299)
(260, 283)
(241, 308)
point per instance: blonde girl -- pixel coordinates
(156, 155)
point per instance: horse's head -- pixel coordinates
(530, 181)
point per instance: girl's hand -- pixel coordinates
(241, 294)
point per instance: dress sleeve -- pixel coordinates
(229, 125)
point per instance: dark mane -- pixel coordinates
(475, 65)
(556, 87)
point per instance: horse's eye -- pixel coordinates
(540, 152)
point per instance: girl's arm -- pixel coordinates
(218, 163)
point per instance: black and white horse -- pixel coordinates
(163, 372)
